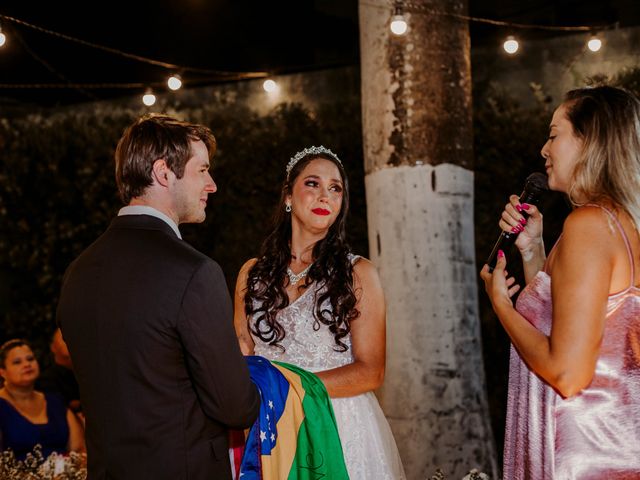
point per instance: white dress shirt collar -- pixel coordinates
(147, 210)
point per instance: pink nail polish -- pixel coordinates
(500, 254)
(526, 206)
(515, 230)
(518, 208)
(523, 221)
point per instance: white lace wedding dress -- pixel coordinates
(370, 451)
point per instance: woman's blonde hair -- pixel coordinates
(607, 120)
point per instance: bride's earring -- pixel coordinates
(287, 208)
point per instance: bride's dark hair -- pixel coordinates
(265, 295)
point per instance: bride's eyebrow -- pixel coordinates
(317, 177)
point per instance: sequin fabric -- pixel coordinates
(595, 434)
(370, 451)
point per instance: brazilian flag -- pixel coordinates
(295, 436)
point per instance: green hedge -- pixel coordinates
(57, 191)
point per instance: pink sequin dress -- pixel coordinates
(595, 434)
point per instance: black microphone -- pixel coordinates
(535, 185)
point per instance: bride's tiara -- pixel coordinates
(303, 153)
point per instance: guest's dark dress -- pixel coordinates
(20, 435)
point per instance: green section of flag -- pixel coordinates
(319, 451)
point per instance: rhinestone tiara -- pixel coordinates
(303, 153)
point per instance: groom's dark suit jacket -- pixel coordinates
(148, 322)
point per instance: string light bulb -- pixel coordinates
(511, 45)
(3, 37)
(174, 82)
(398, 24)
(594, 44)
(270, 86)
(148, 98)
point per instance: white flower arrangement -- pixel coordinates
(474, 474)
(36, 467)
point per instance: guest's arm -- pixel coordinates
(247, 344)
(76, 433)
(368, 339)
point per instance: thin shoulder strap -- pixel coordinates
(624, 237)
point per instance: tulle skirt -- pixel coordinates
(370, 451)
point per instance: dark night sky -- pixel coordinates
(238, 35)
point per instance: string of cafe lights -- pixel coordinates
(398, 25)
(174, 81)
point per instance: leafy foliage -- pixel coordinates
(58, 193)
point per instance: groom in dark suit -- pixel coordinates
(148, 320)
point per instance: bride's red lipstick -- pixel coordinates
(320, 211)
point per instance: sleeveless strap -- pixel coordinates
(624, 237)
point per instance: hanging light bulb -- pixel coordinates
(270, 86)
(3, 37)
(511, 45)
(148, 98)
(398, 24)
(594, 44)
(174, 82)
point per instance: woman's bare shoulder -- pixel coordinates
(248, 265)
(366, 273)
(243, 274)
(590, 223)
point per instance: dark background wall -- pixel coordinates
(555, 64)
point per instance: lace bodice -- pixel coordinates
(309, 348)
(313, 349)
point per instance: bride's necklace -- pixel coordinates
(296, 277)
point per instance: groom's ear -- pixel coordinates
(160, 172)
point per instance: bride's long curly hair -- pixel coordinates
(265, 295)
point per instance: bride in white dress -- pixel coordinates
(307, 301)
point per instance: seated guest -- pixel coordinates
(59, 377)
(27, 416)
